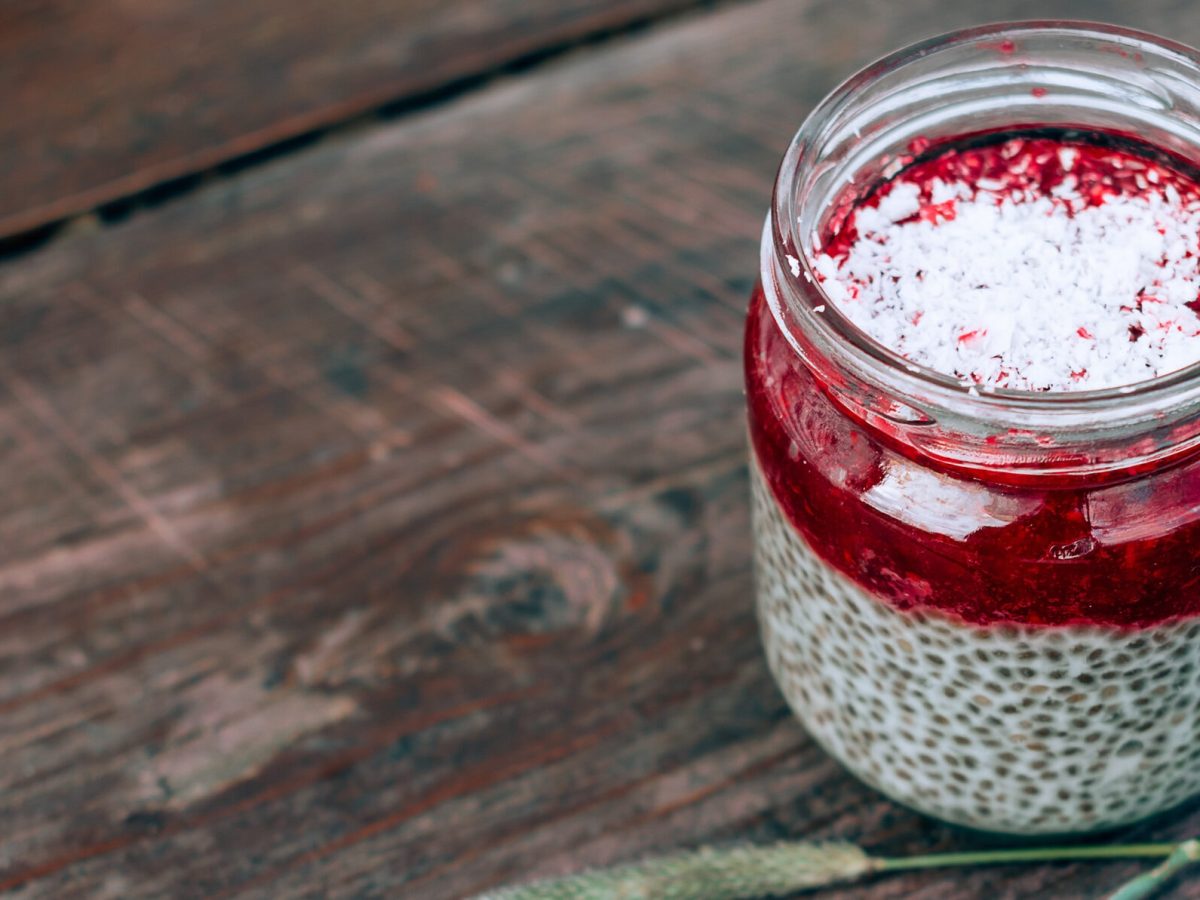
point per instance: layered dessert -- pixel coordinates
(1016, 654)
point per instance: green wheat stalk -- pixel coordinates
(738, 873)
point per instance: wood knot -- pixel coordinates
(548, 575)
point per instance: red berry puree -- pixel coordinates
(1047, 551)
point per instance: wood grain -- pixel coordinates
(375, 522)
(106, 100)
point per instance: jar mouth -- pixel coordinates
(1092, 75)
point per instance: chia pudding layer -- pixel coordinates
(1022, 729)
(1017, 656)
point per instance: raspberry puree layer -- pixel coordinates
(1120, 554)
(1046, 552)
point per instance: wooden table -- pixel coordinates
(374, 515)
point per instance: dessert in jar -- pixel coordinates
(973, 378)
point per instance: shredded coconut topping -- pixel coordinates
(1028, 265)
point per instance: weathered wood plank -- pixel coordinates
(375, 522)
(103, 101)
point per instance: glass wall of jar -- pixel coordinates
(986, 605)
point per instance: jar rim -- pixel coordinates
(879, 365)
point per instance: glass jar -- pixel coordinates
(987, 606)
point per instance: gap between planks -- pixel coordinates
(25, 232)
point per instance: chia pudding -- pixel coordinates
(1006, 638)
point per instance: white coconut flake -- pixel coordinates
(1026, 291)
(900, 203)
